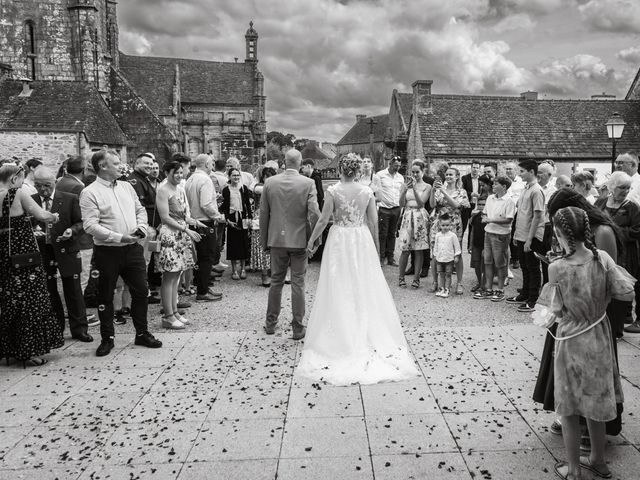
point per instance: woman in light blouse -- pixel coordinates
(236, 207)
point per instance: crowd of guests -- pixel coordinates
(119, 237)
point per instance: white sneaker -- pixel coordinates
(440, 292)
(221, 265)
(445, 293)
(509, 273)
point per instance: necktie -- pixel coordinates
(47, 231)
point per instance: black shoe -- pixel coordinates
(147, 340)
(515, 265)
(424, 273)
(525, 307)
(299, 335)
(105, 347)
(519, 300)
(207, 298)
(184, 304)
(83, 337)
(126, 311)
(269, 329)
(633, 328)
(119, 319)
(180, 311)
(153, 300)
(410, 271)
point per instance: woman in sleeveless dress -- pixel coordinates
(354, 333)
(176, 242)
(28, 326)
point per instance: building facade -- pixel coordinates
(155, 104)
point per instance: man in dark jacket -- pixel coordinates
(308, 170)
(59, 246)
(472, 187)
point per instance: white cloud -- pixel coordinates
(134, 42)
(577, 76)
(612, 15)
(630, 55)
(518, 22)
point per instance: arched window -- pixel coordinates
(30, 44)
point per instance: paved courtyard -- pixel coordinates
(221, 400)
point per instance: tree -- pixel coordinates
(280, 139)
(300, 143)
(274, 152)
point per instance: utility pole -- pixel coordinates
(376, 163)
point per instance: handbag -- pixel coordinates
(24, 260)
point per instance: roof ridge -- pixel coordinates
(184, 59)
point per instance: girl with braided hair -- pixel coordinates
(586, 378)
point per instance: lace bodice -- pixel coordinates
(350, 202)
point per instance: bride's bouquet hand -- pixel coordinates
(311, 248)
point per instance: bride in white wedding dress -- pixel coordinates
(354, 333)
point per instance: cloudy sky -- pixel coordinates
(325, 61)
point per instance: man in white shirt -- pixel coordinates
(114, 216)
(516, 188)
(220, 179)
(545, 176)
(628, 163)
(388, 196)
(201, 195)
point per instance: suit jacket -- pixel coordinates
(245, 195)
(67, 206)
(316, 176)
(288, 210)
(147, 195)
(69, 184)
(467, 184)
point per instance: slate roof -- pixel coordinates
(359, 133)
(312, 151)
(405, 101)
(466, 125)
(153, 79)
(59, 106)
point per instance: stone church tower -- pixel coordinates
(60, 40)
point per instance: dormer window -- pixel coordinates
(30, 44)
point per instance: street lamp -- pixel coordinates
(615, 126)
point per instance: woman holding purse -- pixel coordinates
(28, 325)
(236, 208)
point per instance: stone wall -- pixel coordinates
(51, 147)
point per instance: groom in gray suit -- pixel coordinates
(288, 213)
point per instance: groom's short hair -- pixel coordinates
(309, 161)
(293, 158)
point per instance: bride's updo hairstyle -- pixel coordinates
(350, 164)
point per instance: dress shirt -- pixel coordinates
(516, 188)
(548, 190)
(390, 186)
(220, 180)
(634, 192)
(446, 247)
(474, 185)
(46, 204)
(111, 210)
(201, 195)
(499, 207)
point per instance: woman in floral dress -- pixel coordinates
(414, 228)
(449, 198)
(176, 248)
(260, 260)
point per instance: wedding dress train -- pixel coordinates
(354, 333)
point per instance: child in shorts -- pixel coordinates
(446, 251)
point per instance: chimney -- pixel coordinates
(360, 117)
(529, 96)
(26, 87)
(236, 59)
(604, 96)
(5, 71)
(422, 96)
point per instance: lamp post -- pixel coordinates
(615, 126)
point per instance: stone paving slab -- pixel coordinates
(223, 400)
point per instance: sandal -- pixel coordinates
(181, 319)
(172, 323)
(33, 362)
(235, 276)
(600, 469)
(401, 282)
(562, 471)
(459, 290)
(415, 284)
(243, 274)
